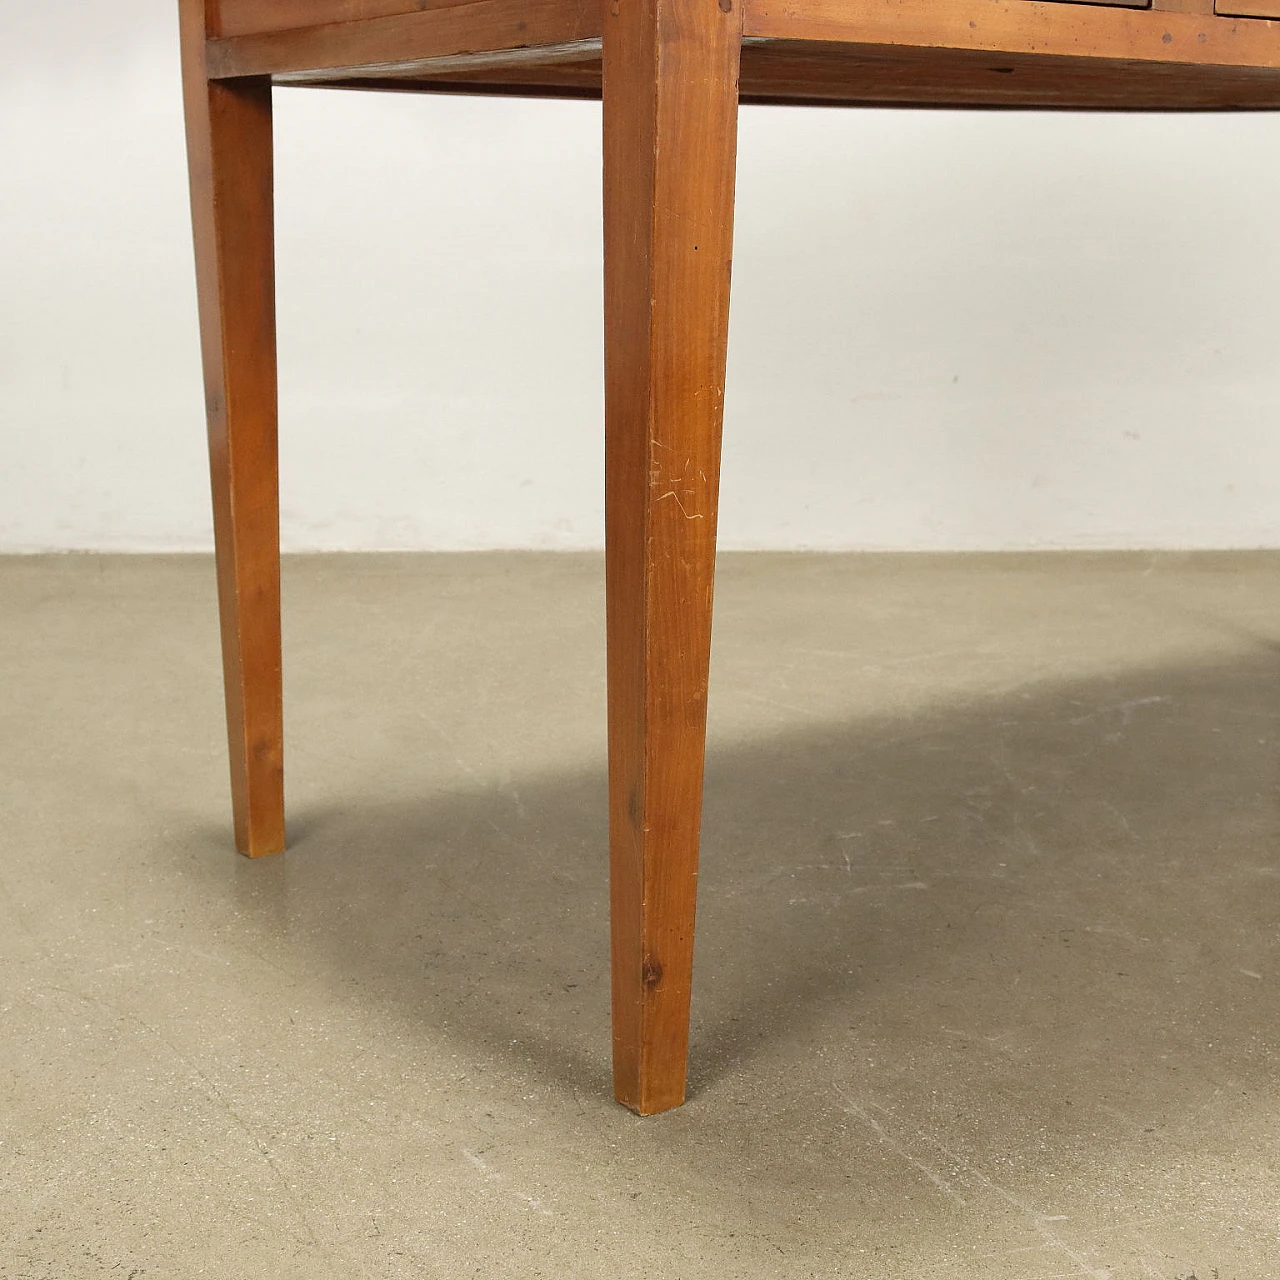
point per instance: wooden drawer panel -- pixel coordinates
(1248, 8)
(1117, 4)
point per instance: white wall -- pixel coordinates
(949, 329)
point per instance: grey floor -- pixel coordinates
(988, 962)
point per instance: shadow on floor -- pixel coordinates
(1032, 872)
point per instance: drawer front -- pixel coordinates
(1112, 4)
(1248, 8)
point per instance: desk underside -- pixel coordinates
(824, 74)
(974, 53)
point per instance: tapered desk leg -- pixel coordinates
(670, 135)
(230, 153)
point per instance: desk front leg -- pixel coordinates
(229, 141)
(670, 138)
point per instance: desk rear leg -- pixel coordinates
(229, 140)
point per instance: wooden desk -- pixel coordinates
(671, 73)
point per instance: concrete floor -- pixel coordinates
(988, 963)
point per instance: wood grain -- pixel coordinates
(1248, 8)
(249, 17)
(670, 132)
(493, 64)
(1119, 4)
(1020, 26)
(480, 26)
(1041, 54)
(229, 141)
(874, 75)
(827, 74)
(1182, 6)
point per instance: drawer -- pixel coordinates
(1247, 8)
(1114, 4)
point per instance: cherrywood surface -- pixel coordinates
(1039, 27)
(492, 66)
(874, 75)
(382, 44)
(826, 74)
(670, 138)
(229, 146)
(1182, 6)
(252, 17)
(1249, 8)
(249, 17)
(990, 53)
